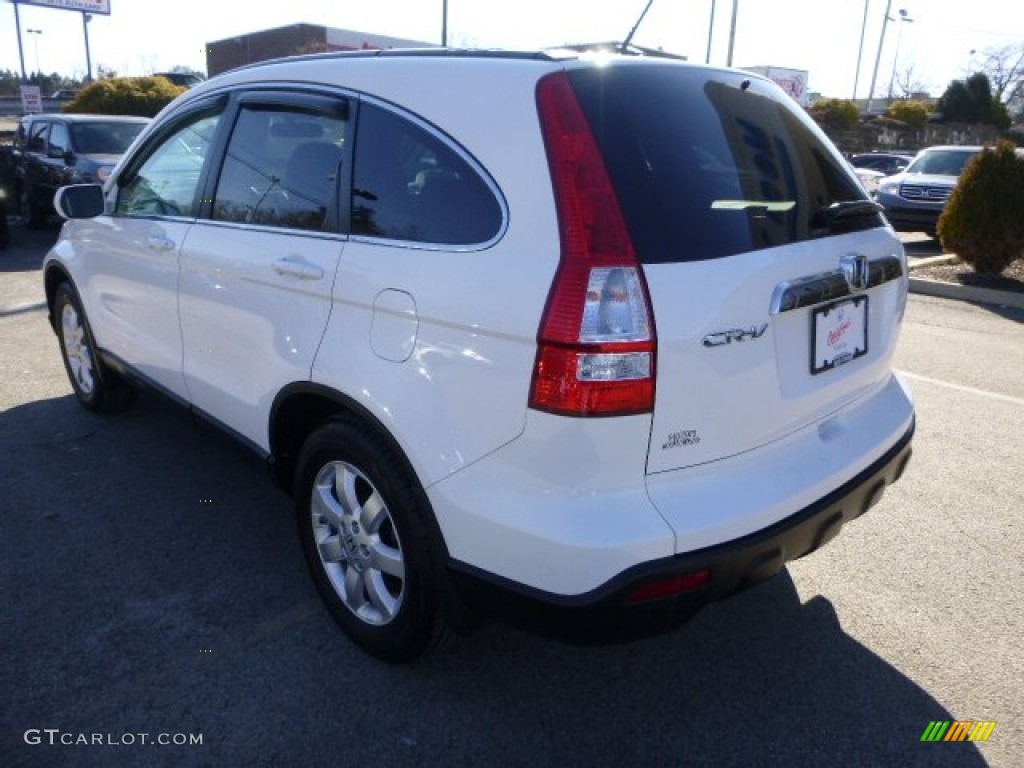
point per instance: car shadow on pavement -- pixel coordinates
(158, 585)
(27, 247)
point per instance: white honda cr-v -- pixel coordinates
(583, 343)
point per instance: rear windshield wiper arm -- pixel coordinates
(846, 209)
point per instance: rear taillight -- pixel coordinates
(596, 344)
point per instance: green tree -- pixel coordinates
(982, 221)
(913, 113)
(835, 114)
(971, 101)
(143, 96)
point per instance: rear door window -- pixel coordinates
(281, 168)
(706, 168)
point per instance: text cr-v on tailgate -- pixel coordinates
(578, 343)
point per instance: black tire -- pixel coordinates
(355, 539)
(32, 215)
(96, 386)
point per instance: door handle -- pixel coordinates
(157, 243)
(297, 267)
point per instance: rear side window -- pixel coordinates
(409, 185)
(706, 168)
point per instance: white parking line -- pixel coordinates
(962, 388)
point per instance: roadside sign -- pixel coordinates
(87, 6)
(31, 99)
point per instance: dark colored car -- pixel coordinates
(51, 151)
(883, 162)
(187, 79)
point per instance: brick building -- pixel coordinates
(222, 55)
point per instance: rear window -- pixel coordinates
(710, 168)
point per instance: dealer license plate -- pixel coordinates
(840, 333)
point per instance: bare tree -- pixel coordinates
(1005, 69)
(908, 83)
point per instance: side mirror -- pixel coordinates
(79, 201)
(56, 152)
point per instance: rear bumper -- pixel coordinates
(606, 614)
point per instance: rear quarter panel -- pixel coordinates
(473, 315)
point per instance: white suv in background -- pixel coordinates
(578, 342)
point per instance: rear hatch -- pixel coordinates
(775, 285)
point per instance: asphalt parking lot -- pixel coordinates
(153, 584)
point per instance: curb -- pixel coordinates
(965, 292)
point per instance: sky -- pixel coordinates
(821, 36)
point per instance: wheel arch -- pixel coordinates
(53, 276)
(301, 408)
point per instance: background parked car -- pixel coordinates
(187, 79)
(885, 162)
(914, 199)
(869, 178)
(51, 151)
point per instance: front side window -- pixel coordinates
(409, 185)
(37, 138)
(58, 139)
(167, 182)
(281, 169)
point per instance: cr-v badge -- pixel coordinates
(719, 338)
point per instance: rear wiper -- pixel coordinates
(846, 209)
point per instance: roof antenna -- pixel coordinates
(629, 37)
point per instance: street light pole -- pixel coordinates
(21, 52)
(35, 39)
(732, 31)
(860, 49)
(711, 27)
(878, 56)
(86, 18)
(899, 37)
(444, 24)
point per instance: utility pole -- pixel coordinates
(878, 56)
(732, 31)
